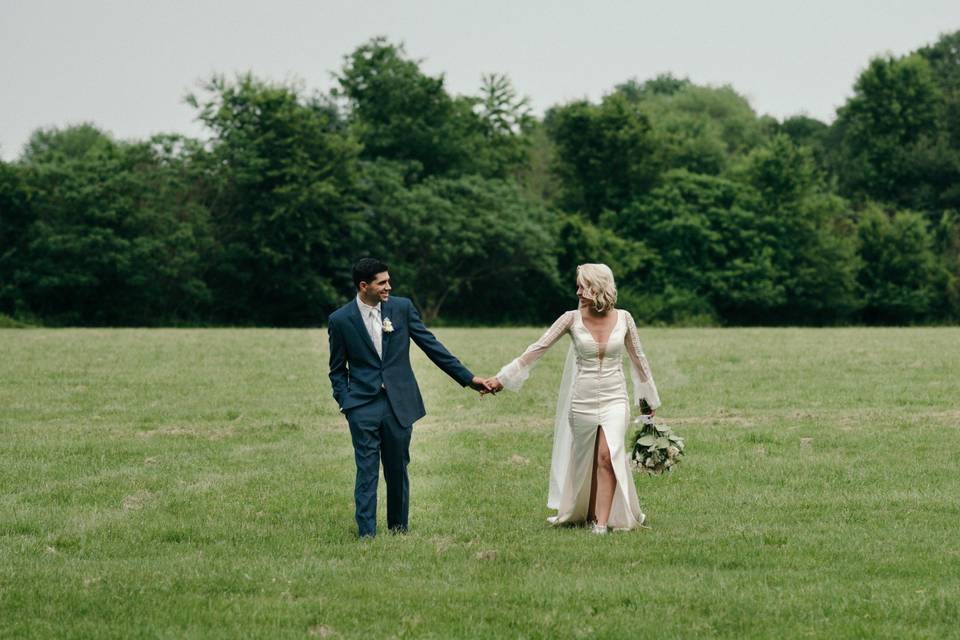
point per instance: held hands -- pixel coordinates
(482, 385)
(486, 385)
(493, 386)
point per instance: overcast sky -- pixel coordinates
(126, 65)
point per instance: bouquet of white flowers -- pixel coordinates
(655, 447)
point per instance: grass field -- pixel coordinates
(198, 483)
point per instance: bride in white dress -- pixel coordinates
(590, 476)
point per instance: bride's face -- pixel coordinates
(584, 295)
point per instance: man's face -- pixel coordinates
(377, 290)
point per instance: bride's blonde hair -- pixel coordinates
(597, 280)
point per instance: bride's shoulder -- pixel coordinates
(566, 318)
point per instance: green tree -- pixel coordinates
(811, 133)
(946, 238)
(804, 130)
(605, 154)
(714, 255)
(665, 84)
(16, 216)
(944, 60)
(69, 143)
(740, 129)
(813, 239)
(281, 187)
(111, 240)
(537, 175)
(400, 113)
(888, 134)
(899, 272)
(698, 128)
(462, 244)
(943, 162)
(505, 117)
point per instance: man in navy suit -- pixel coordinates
(374, 386)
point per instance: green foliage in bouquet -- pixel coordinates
(656, 448)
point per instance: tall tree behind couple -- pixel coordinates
(374, 386)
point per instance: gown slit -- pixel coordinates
(595, 473)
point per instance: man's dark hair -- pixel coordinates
(365, 269)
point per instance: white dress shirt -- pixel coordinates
(373, 322)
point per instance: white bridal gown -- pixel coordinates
(593, 394)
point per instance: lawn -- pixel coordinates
(199, 483)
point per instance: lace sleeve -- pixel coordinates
(643, 384)
(516, 373)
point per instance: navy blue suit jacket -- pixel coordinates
(357, 373)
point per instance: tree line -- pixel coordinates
(707, 212)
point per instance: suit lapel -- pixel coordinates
(361, 327)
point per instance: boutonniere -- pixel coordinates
(387, 325)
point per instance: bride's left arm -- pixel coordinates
(643, 385)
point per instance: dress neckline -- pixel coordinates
(590, 333)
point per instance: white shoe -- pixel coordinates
(599, 529)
